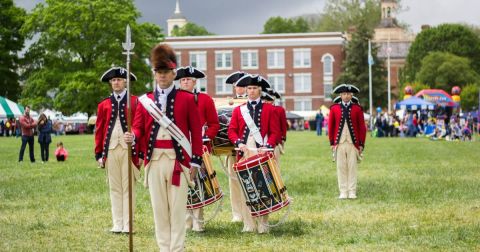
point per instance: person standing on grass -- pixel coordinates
(44, 137)
(252, 138)
(187, 77)
(234, 186)
(347, 138)
(28, 125)
(171, 161)
(319, 122)
(111, 149)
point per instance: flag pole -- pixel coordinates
(389, 83)
(370, 63)
(128, 46)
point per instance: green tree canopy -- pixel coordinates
(452, 38)
(11, 42)
(445, 70)
(77, 42)
(469, 97)
(340, 15)
(285, 25)
(355, 68)
(190, 29)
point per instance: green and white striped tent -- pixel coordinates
(9, 109)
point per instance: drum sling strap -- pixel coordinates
(251, 125)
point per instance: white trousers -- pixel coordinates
(169, 204)
(117, 168)
(347, 168)
(235, 190)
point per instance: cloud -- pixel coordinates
(248, 16)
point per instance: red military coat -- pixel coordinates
(355, 122)
(106, 122)
(269, 125)
(208, 116)
(282, 116)
(182, 110)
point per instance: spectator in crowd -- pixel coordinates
(319, 122)
(18, 128)
(44, 137)
(2, 128)
(61, 153)
(306, 125)
(8, 125)
(28, 125)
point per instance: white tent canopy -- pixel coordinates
(77, 118)
(9, 109)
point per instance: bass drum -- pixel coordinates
(221, 145)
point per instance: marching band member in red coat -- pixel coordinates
(269, 97)
(234, 186)
(266, 120)
(208, 120)
(346, 127)
(168, 167)
(111, 149)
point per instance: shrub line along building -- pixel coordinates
(300, 66)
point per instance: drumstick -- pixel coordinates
(256, 149)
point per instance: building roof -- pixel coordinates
(257, 40)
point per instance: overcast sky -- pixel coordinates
(248, 16)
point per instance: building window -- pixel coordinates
(223, 60)
(301, 57)
(302, 83)
(276, 58)
(303, 104)
(202, 85)
(249, 59)
(178, 55)
(221, 87)
(198, 60)
(327, 88)
(278, 82)
(327, 60)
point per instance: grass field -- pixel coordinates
(413, 195)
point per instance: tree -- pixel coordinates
(190, 29)
(11, 42)
(469, 97)
(340, 15)
(445, 70)
(77, 42)
(355, 67)
(452, 38)
(285, 25)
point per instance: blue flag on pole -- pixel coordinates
(370, 58)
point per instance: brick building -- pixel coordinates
(302, 66)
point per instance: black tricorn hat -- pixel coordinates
(267, 97)
(253, 80)
(117, 72)
(270, 95)
(338, 99)
(349, 88)
(189, 71)
(234, 77)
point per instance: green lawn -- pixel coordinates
(413, 194)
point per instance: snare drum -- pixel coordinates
(207, 189)
(221, 145)
(262, 184)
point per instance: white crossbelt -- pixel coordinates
(171, 127)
